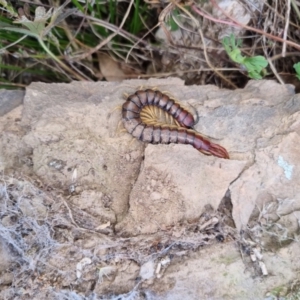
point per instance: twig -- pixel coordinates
(69, 211)
(137, 42)
(236, 23)
(277, 12)
(204, 47)
(198, 11)
(3, 83)
(295, 7)
(278, 56)
(275, 71)
(286, 27)
(110, 37)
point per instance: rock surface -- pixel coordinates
(149, 219)
(10, 100)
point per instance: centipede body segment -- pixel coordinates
(165, 133)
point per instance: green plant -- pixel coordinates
(36, 45)
(254, 65)
(173, 20)
(136, 25)
(170, 21)
(38, 29)
(297, 69)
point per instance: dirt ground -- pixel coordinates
(87, 212)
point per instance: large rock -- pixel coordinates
(89, 206)
(77, 144)
(174, 184)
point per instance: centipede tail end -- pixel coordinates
(218, 151)
(206, 147)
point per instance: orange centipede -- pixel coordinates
(165, 133)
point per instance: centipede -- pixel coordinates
(180, 130)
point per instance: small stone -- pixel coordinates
(155, 196)
(153, 182)
(147, 270)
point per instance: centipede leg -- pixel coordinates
(196, 113)
(119, 125)
(118, 130)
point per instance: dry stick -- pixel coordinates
(235, 23)
(275, 17)
(69, 211)
(121, 32)
(69, 34)
(275, 71)
(275, 11)
(160, 23)
(271, 64)
(250, 28)
(2, 84)
(109, 38)
(162, 15)
(204, 47)
(166, 74)
(138, 41)
(278, 56)
(142, 38)
(72, 37)
(161, 19)
(80, 72)
(198, 11)
(295, 7)
(286, 27)
(109, 26)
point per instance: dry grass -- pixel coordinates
(38, 239)
(148, 39)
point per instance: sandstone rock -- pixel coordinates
(76, 186)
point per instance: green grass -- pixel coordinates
(297, 69)
(45, 42)
(64, 45)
